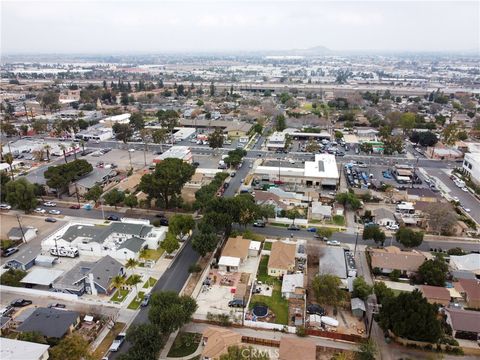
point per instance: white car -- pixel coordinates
(465, 189)
(5, 207)
(333, 242)
(455, 198)
(49, 204)
(131, 150)
(393, 227)
(54, 212)
(40, 211)
(466, 209)
(117, 342)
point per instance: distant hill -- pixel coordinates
(313, 51)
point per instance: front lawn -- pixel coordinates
(338, 220)
(149, 283)
(135, 304)
(185, 344)
(149, 254)
(267, 245)
(120, 295)
(276, 303)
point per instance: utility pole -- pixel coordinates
(21, 229)
(375, 310)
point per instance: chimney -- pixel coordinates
(92, 284)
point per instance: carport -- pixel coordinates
(41, 277)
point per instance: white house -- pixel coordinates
(293, 286)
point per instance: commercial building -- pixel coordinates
(471, 166)
(97, 132)
(177, 152)
(276, 141)
(121, 119)
(322, 172)
(11, 349)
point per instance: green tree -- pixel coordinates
(137, 121)
(118, 281)
(360, 288)
(409, 315)
(159, 136)
(327, 289)
(407, 121)
(123, 132)
(4, 179)
(204, 242)
(134, 280)
(280, 122)
(392, 145)
(382, 291)
(94, 193)
(235, 157)
(433, 272)
(72, 347)
(169, 311)
(21, 194)
(32, 336)
(374, 233)
(180, 224)
(408, 237)
(215, 139)
(350, 199)
(131, 201)
(114, 197)
(59, 177)
(367, 350)
(338, 135)
(8, 128)
(12, 277)
(450, 134)
(146, 342)
(167, 180)
(312, 146)
(292, 214)
(170, 243)
(131, 264)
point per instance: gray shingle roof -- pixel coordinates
(100, 233)
(134, 244)
(95, 177)
(49, 322)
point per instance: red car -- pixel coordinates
(75, 206)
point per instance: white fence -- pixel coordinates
(284, 220)
(269, 326)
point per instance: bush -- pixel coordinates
(300, 331)
(156, 223)
(376, 271)
(394, 275)
(12, 277)
(194, 268)
(325, 232)
(220, 319)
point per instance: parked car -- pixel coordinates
(233, 173)
(40, 211)
(54, 212)
(20, 302)
(466, 209)
(392, 227)
(5, 207)
(333, 242)
(75, 206)
(117, 342)
(196, 164)
(164, 222)
(145, 301)
(293, 227)
(236, 303)
(57, 305)
(9, 251)
(312, 229)
(49, 204)
(7, 311)
(113, 218)
(259, 223)
(50, 220)
(316, 309)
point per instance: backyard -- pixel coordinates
(276, 303)
(185, 344)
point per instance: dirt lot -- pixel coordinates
(9, 220)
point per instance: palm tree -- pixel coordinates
(74, 147)
(64, 149)
(47, 150)
(118, 281)
(82, 144)
(131, 264)
(134, 280)
(39, 154)
(144, 134)
(8, 157)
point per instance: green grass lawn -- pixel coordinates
(338, 220)
(262, 274)
(267, 245)
(154, 255)
(149, 283)
(135, 304)
(185, 344)
(120, 295)
(276, 303)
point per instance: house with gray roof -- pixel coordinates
(90, 277)
(51, 322)
(98, 177)
(384, 217)
(120, 240)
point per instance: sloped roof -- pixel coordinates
(134, 244)
(236, 247)
(218, 341)
(49, 322)
(295, 348)
(435, 292)
(464, 320)
(470, 262)
(282, 255)
(392, 257)
(471, 288)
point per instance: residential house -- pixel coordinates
(393, 258)
(121, 240)
(234, 253)
(293, 286)
(51, 322)
(99, 176)
(319, 211)
(282, 258)
(383, 217)
(216, 342)
(25, 234)
(90, 277)
(469, 262)
(11, 349)
(436, 294)
(465, 323)
(296, 348)
(24, 260)
(470, 290)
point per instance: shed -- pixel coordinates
(254, 248)
(45, 260)
(358, 307)
(229, 263)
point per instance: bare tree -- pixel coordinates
(441, 218)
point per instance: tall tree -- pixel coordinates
(167, 180)
(94, 193)
(123, 132)
(433, 272)
(292, 214)
(169, 311)
(131, 201)
(180, 224)
(137, 121)
(204, 242)
(215, 139)
(170, 243)
(72, 347)
(408, 237)
(360, 288)
(21, 193)
(146, 342)
(327, 289)
(374, 233)
(114, 197)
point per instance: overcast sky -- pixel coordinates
(165, 26)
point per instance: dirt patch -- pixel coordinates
(312, 268)
(9, 221)
(195, 277)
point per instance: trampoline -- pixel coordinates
(260, 310)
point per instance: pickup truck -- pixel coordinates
(117, 342)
